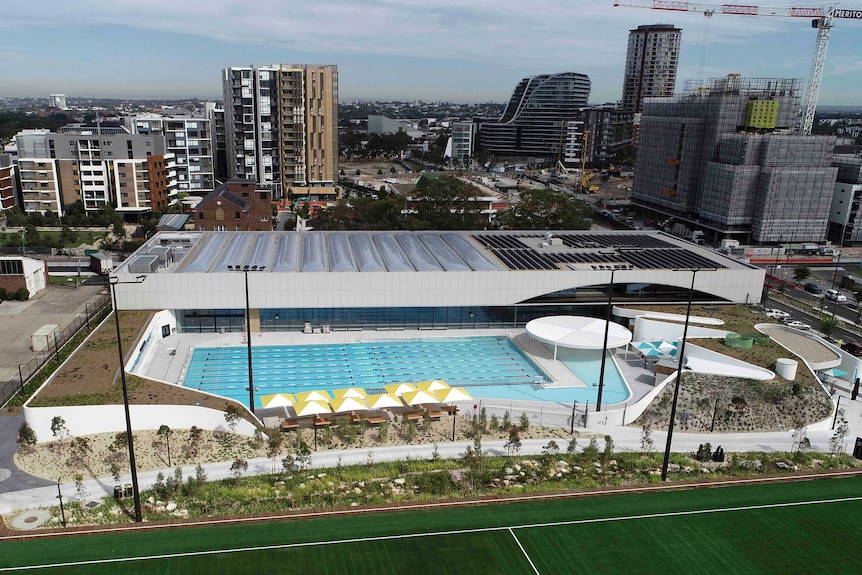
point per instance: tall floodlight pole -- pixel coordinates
(680, 366)
(605, 344)
(136, 494)
(245, 270)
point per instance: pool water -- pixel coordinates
(488, 366)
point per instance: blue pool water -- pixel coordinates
(487, 366)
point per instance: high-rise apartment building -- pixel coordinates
(542, 120)
(725, 159)
(7, 182)
(281, 125)
(95, 165)
(651, 61)
(189, 139)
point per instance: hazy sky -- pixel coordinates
(431, 50)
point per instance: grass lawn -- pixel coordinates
(800, 527)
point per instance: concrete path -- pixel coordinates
(626, 439)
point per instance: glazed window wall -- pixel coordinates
(355, 319)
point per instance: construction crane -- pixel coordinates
(821, 16)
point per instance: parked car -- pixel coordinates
(835, 295)
(812, 287)
(852, 347)
(796, 324)
(776, 314)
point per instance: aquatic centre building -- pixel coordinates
(340, 281)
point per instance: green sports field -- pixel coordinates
(800, 527)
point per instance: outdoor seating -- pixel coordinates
(434, 415)
(450, 409)
(413, 416)
(321, 422)
(289, 425)
(355, 418)
(375, 419)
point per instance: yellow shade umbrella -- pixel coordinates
(432, 385)
(344, 404)
(399, 388)
(383, 400)
(277, 400)
(419, 397)
(452, 394)
(306, 408)
(312, 396)
(357, 392)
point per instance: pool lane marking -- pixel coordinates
(521, 547)
(434, 534)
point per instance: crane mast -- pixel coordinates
(821, 15)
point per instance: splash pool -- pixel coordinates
(488, 366)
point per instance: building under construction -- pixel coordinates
(725, 160)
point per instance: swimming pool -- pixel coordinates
(488, 366)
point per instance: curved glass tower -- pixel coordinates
(537, 115)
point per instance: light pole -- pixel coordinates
(574, 411)
(113, 281)
(245, 269)
(680, 367)
(605, 345)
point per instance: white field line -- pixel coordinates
(435, 534)
(521, 547)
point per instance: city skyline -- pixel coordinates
(393, 50)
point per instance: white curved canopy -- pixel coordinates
(577, 332)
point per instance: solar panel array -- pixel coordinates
(599, 251)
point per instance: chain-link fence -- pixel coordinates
(85, 320)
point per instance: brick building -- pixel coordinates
(238, 205)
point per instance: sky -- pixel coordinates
(429, 50)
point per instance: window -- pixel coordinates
(264, 219)
(236, 215)
(200, 215)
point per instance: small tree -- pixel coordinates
(647, 442)
(383, 431)
(165, 431)
(232, 415)
(60, 433)
(81, 489)
(26, 437)
(303, 456)
(195, 439)
(495, 423)
(801, 272)
(513, 445)
(238, 467)
(836, 442)
(79, 453)
(273, 446)
(507, 422)
(524, 421)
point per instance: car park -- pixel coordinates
(835, 295)
(852, 347)
(776, 313)
(796, 324)
(812, 287)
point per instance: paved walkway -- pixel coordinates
(626, 439)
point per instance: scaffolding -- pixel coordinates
(727, 153)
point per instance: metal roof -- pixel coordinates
(434, 251)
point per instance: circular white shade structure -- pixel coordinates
(577, 332)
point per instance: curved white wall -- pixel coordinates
(92, 419)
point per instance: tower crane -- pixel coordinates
(821, 15)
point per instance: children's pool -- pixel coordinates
(488, 366)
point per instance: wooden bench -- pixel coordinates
(375, 419)
(289, 425)
(450, 409)
(435, 415)
(321, 422)
(413, 416)
(354, 418)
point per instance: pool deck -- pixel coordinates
(168, 359)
